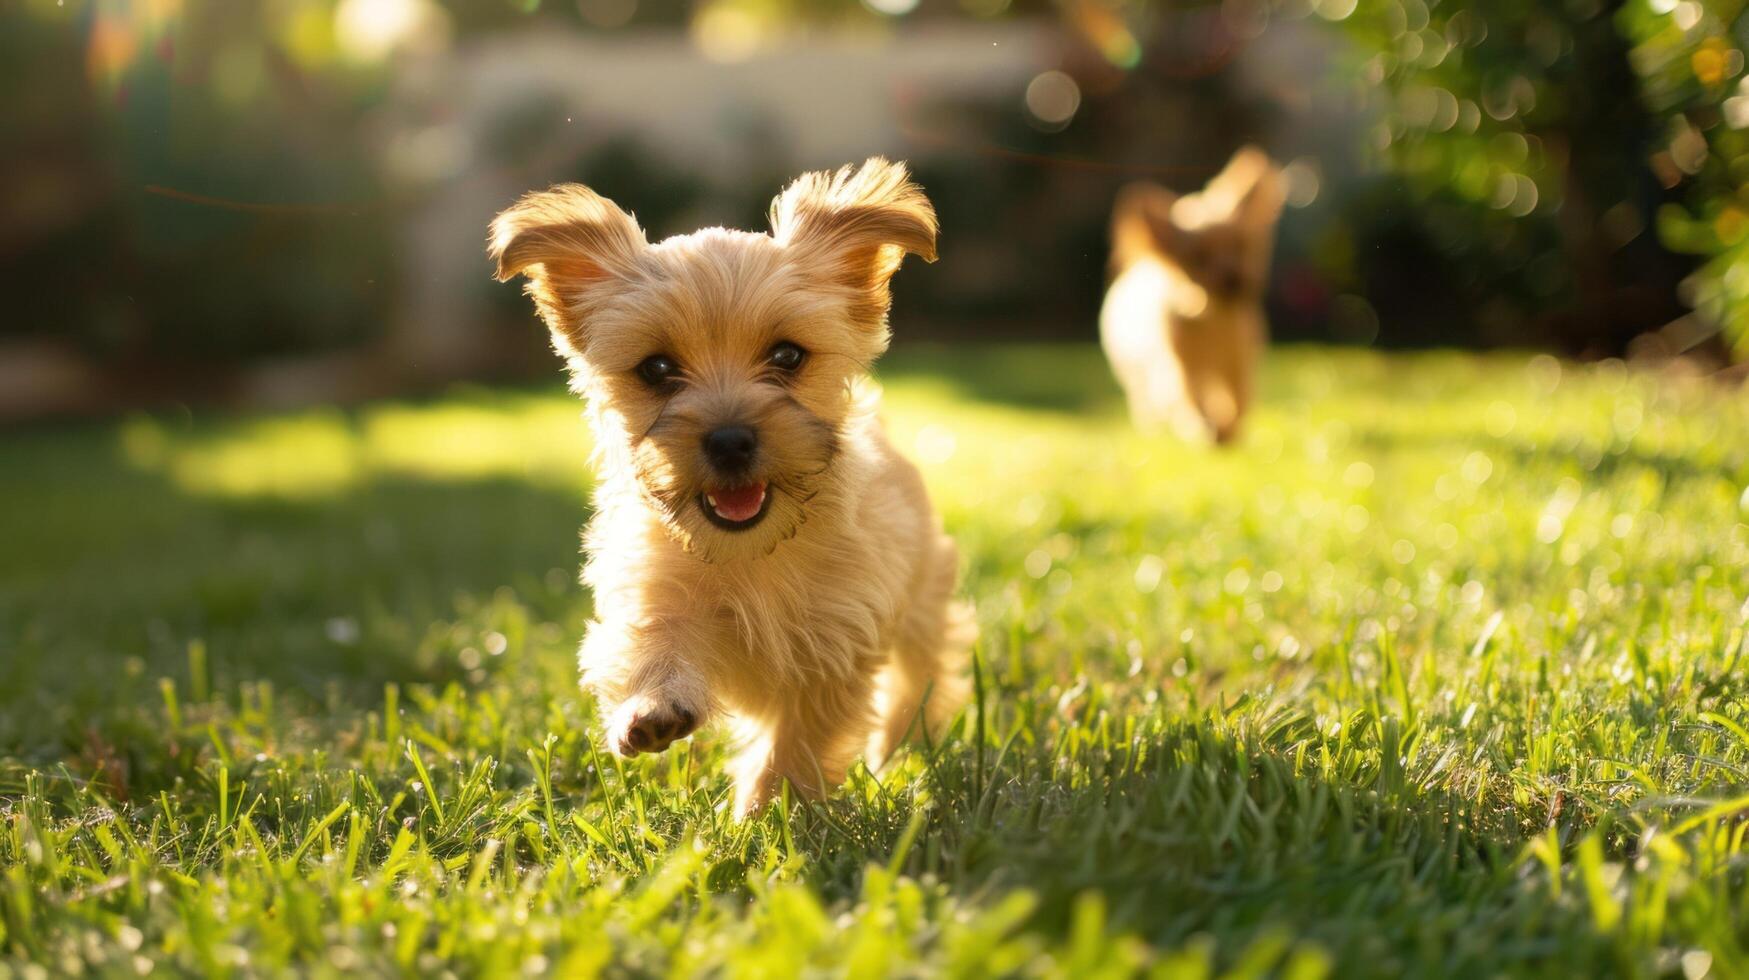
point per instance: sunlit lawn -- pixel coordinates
(1437, 673)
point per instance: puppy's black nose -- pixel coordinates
(730, 447)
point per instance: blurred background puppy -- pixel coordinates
(1183, 322)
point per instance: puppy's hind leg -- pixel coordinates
(809, 741)
(925, 683)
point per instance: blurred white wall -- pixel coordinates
(811, 103)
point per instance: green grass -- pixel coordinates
(1438, 673)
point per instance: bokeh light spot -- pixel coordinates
(1052, 98)
(607, 14)
(1148, 573)
(935, 444)
(1301, 182)
(891, 8)
(727, 32)
(367, 29)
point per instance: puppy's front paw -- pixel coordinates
(649, 724)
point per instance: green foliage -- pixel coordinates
(1437, 674)
(224, 182)
(1690, 58)
(197, 187)
(1464, 89)
(1516, 127)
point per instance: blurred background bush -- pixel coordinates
(270, 201)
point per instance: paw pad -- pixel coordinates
(655, 728)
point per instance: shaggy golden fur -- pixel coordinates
(1183, 321)
(823, 625)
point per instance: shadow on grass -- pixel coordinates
(1206, 827)
(111, 574)
(1194, 825)
(1050, 377)
(1529, 457)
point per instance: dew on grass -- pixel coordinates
(1445, 536)
(1060, 582)
(342, 630)
(1696, 964)
(1355, 518)
(1611, 373)
(1236, 582)
(1148, 573)
(1477, 467)
(1544, 373)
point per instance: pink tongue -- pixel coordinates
(739, 503)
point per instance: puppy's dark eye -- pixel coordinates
(657, 370)
(786, 356)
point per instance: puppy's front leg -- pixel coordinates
(649, 696)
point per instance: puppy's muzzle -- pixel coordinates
(730, 449)
(734, 502)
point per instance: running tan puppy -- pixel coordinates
(1183, 321)
(759, 549)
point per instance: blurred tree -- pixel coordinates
(1689, 55)
(208, 181)
(1515, 125)
(188, 188)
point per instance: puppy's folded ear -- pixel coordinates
(1261, 204)
(569, 241)
(1141, 223)
(856, 226)
(1252, 183)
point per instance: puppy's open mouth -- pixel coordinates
(735, 508)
